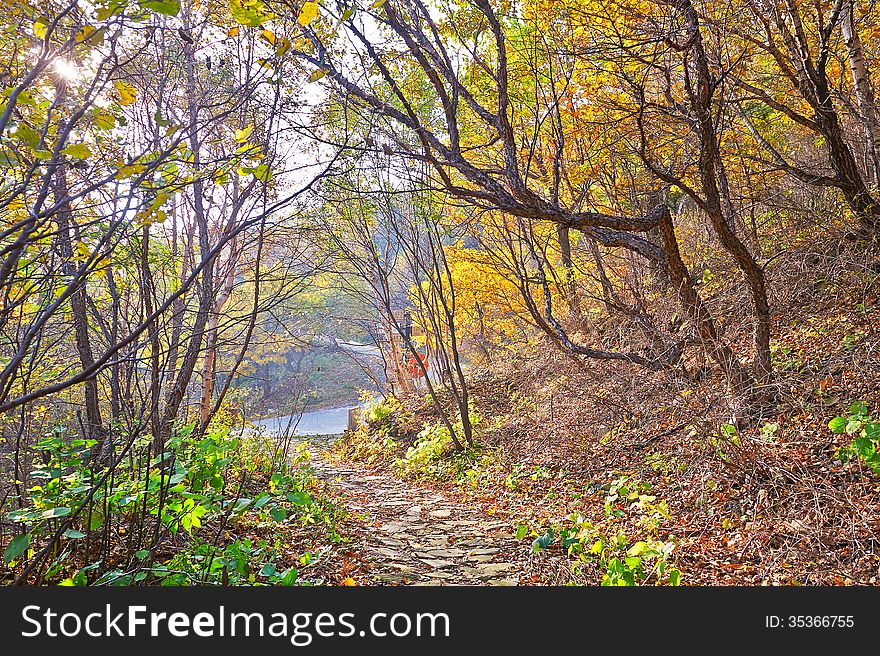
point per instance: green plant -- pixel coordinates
(216, 477)
(431, 444)
(622, 563)
(865, 433)
(432, 453)
(382, 409)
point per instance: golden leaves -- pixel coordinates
(308, 13)
(127, 93)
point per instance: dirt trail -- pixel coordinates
(414, 535)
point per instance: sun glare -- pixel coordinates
(68, 70)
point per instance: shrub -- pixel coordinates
(865, 433)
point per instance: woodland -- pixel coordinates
(595, 285)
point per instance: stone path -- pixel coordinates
(418, 536)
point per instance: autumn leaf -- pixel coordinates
(242, 135)
(127, 93)
(103, 119)
(308, 13)
(40, 28)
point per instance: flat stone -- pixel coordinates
(389, 553)
(491, 569)
(442, 575)
(442, 513)
(481, 551)
(437, 563)
(392, 528)
(446, 553)
(506, 582)
(407, 569)
(415, 510)
(391, 542)
(481, 558)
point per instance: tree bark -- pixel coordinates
(862, 84)
(209, 368)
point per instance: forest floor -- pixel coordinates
(626, 459)
(577, 468)
(403, 533)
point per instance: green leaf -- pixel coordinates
(17, 546)
(242, 135)
(166, 7)
(72, 534)
(543, 542)
(262, 172)
(674, 577)
(521, 531)
(377, 4)
(78, 151)
(8, 160)
(268, 570)
(837, 425)
(290, 577)
(858, 408)
(250, 13)
(113, 8)
(163, 122)
(97, 521)
(27, 136)
(279, 514)
(60, 511)
(299, 498)
(90, 35)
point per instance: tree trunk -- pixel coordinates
(178, 388)
(862, 84)
(209, 368)
(739, 380)
(709, 156)
(79, 311)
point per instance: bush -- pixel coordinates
(866, 436)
